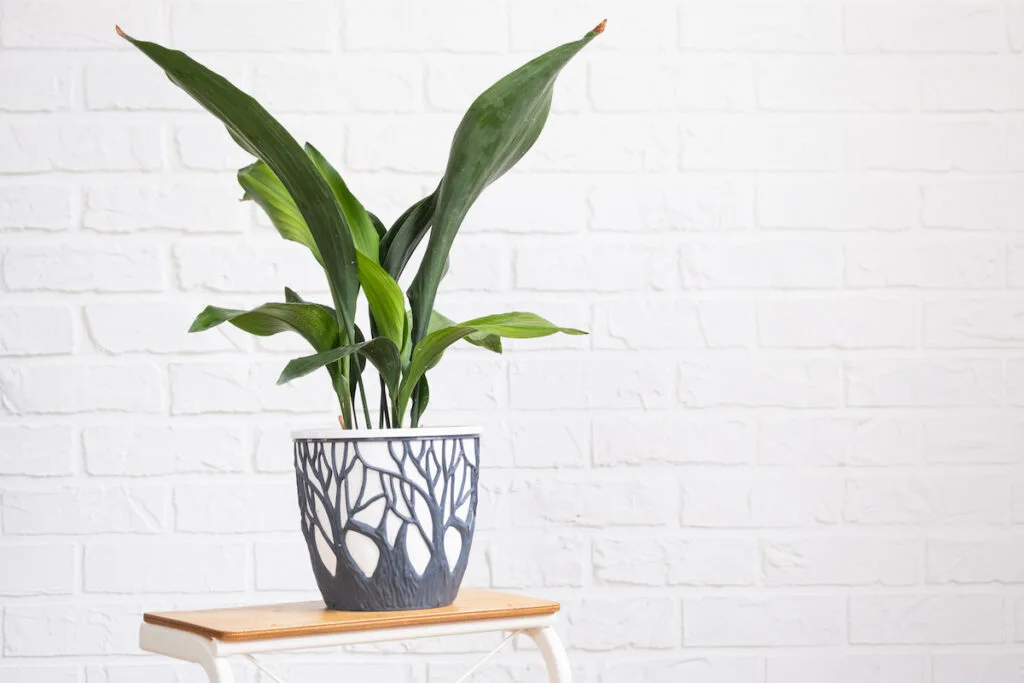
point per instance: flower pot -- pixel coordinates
(388, 515)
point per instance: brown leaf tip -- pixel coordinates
(600, 27)
(119, 31)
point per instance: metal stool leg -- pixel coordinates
(555, 658)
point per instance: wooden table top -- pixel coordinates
(296, 619)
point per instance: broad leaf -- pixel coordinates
(364, 235)
(263, 187)
(313, 321)
(256, 131)
(491, 342)
(427, 353)
(497, 130)
(378, 225)
(381, 351)
(398, 245)
(387, 303)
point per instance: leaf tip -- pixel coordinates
(600, 27)
(120, 32)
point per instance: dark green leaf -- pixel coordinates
(378, 226)
(312, 321)
(381, 351)
(491, 342)
(252, 127)
(497, 130)
(400, 242)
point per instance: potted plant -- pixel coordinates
(387, 513)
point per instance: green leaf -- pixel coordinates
(491, 342)
(398, 245)
(381, 351)
(256, 131)
(378, 225)
(497, 130)
(313, 321)
(427, 353)
(387, 303)
(292, 297)
(364, 235)
(264, 188)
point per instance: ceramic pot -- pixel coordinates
(388, 515)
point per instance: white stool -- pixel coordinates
(209, 637)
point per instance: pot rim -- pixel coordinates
(339, 434)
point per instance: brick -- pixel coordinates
(33, 389)
(972, 86)
(137, 87)
(637, 324)
(248, 269)
(771, 622)
(572, 144)
(997, 559)
(804, 27)
(36, 330)
(297, 28)
(927, 499)
(741, 500)
(27, 148)
(554, 205)
(545, 442)
(848, 668)
(532, 560)
(83, 388)
(973, 440)
(961, 265)
(650, 28)
(918, 383)
(948, 28)
(841, 561)
(84, 269)
(37, 451)
(199, 388)
(973, 146)
(926, 619)
(35, 207)
(460, 384)
(614, 383)
(598, 625)
(833, 441)
(44, 83)
(1016, 261)
(838, 323)
(976, 668)
(761, 264)
(671, 438)
(236, 508)
(972, 205)
(813, 383)
(416, 144)
(559, 500)
(66, 26)
(165, 567)
(274, 447)
(599, 267)
(166, 671)
(40, 673)
(346, 84)
(841, 84)
(842, 204)
(453, 81)
(88, 509)
(283, 566)
(154, 450)
(155, 327)
(616, 84)
(685, 203)
(192, 207)
(37, 570)
(71, 630)
(392, 27)
(208, 147)
(665, 561)
(761, 144)
(477, 268)
(702, 669)
(973, 323)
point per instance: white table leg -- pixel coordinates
(551, 648)
(218, 670)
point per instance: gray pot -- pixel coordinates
(388, 515)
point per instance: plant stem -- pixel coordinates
(362, 396)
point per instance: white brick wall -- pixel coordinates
(789, 452)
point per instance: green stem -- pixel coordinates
(362, 396)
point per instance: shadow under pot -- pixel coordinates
(388, 515)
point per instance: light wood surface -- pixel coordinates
(296, 619)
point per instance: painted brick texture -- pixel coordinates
(790, 451)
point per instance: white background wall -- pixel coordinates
(789, 452)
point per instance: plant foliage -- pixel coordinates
(308, 202)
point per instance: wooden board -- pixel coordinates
(296, 619)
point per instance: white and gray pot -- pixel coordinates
(388, 515)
